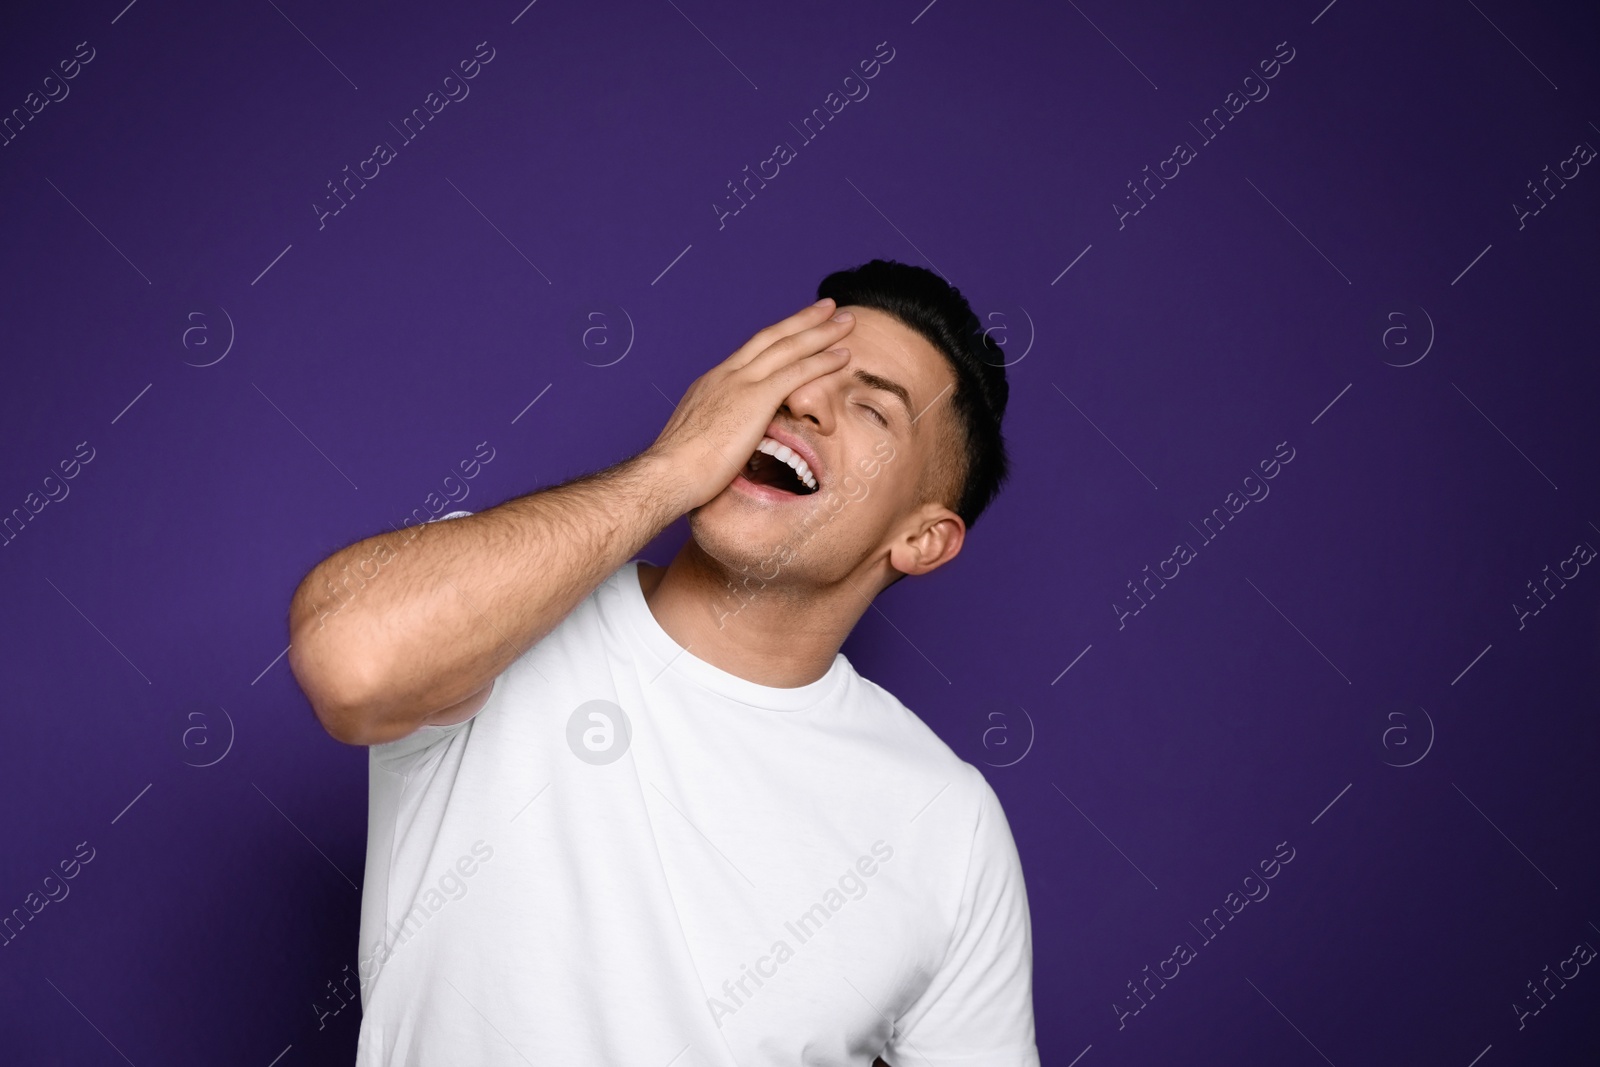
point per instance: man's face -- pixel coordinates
(870, 449)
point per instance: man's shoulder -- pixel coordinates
(897, 712)
(915, 746)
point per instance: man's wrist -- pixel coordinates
(659, 485)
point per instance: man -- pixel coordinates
(651, 816)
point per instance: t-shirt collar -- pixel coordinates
(671, 656)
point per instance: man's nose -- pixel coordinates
(815, 400)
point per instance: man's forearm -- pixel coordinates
(393, 628)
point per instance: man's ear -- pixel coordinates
(933, 538)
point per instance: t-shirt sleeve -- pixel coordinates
(402, 752)
(978, 1009)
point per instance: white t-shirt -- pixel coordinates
(729, 875)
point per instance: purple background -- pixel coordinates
(1358, 618)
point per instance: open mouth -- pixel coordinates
(780, 467)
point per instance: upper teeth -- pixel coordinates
(788, 455)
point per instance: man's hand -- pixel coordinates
(726, 411)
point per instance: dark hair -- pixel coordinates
(934, 308)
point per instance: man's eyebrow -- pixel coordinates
(874, 381)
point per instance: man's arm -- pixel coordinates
(408, 627)
(412, 627)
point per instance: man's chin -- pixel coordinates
(742, 535)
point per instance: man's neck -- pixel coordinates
(778, 634)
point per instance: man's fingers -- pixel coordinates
(780, 381)
(786, 350)
(806, 317)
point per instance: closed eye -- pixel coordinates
(877, 414)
